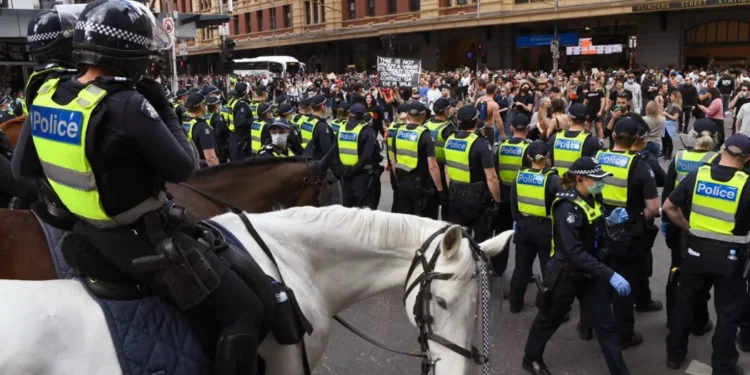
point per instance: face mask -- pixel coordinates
(631, 80)
(279, 139)
(596, 188)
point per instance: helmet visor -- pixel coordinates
(160, 39)
(68, 15)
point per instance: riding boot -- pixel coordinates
(236, 355)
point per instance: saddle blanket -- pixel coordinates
(151, 336)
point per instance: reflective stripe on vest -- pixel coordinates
(390, 139)
(615, 191)
(567, 150)
(348, 141)
(230, 115)
(510, 160)
(255, 134)
(592, 214)
(59, 136)
(282, 155)
(531, 190)
(714, 206)
(254, 108)
(436, 129)
(188, 126)
(686, 162)
(457, 157)
(306, 128)
(407, 147)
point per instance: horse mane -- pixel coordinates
(249, 162)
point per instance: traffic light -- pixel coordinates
(227, 50)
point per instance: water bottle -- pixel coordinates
(282, 297)
(732, 255)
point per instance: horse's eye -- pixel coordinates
(441, 303)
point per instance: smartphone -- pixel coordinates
(618, 108)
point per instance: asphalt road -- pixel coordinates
(384, 318)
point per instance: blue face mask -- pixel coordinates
(596, 188)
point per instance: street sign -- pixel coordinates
(224, 29)
(556, 55)
(168, 24)
(554, 46)
(183, 49)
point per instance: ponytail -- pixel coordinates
(568, 181)
(704, 141)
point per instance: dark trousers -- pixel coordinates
(594, 296)
(640, 286)
(412, 197)
(503, 221)
(532, 239)
(687, 112)
(394, 188)
(234, 150)
(359, 190)
(697, 275)
(721, 136)
(470, 213)
(700, 309)
(622, 306)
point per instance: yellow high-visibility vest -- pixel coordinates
(348, 141)
(567, 150)
(615, 191)
(510, 160)
(714, 206)
(457, 153)
(436, 129)
(407, 147)
(531, 189)
(687, 161)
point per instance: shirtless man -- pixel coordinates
(489, 112)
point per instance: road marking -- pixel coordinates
(698, 368)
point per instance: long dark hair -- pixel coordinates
(568, 181)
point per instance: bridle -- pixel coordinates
(317, 183)
(424, 319)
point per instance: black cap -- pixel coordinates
(441, 105)
(241, 88)
(578, 111)
(208, 90)
(195, 99)
(642, 129)
(285, 109)
(211, 100)
(181, 93)
(740, 144)
(589, 167)
(263, 108)
(704, 125)
(417, 109)
(626, 125)
(317, 100)
(344, 105)
(281, 123)
(467, 113)
(402, 108)
(195, 90)
(537, 148)
(304, 103)
(520, 121)
(358, 109)
(260, 89)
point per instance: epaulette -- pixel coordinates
(569, 195)
(552, 170)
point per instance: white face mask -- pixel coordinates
(279, 139)
(630, 80)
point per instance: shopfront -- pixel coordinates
(16, 64)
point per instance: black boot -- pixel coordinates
(236, 355)
(535, 367)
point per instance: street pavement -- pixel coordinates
(384, 318)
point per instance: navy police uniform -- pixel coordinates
(317, 137)
(359, 161)
(239, 140)
(198, 131)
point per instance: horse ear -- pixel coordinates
(497, 244)
(451, 242)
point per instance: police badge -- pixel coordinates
(571, 219)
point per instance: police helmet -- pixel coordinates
(50, 34)
(119, 34)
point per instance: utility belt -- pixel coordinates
(721, 249)
(545, 297)
(475, 191)
(535, 220)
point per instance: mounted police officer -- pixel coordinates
(531, 197)
(317, 138)
(180, 97)
(711, 205)
(199, 132)
(474, 190)
(417, 172)
(277, 145)
(259, 132)
(569, 145)
(631, 186)
(685, 162)
(114, 186)
(440, 128)
(400, 120)
(240, 125)
(360, 159)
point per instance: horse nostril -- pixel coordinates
(441, 303)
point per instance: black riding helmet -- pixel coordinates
(121, 35)
(50, 34)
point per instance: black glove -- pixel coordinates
(153, 92)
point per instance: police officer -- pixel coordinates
(639, 147)
(576, 269)
(470, 170)
(179, 104)
(511, 157)
(417, 171)
(440, 128)
(4, 114)
(401, 119)
(711, 204)
(316, 133)
(342, 117)
(259, 133)
(685, 162)
(241, 121)
(118, 194)
(220, 128)
(531, 197)
(360, 158)
(569, 145)
(294, 141)
(277, 145)
(199, 132)
(632, 186)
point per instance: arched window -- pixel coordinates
(725, 31)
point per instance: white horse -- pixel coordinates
(331, 257)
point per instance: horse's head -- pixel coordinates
(443, 299)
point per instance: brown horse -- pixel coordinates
(255, 185)
(12, 128)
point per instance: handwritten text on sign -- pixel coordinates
(396, 71)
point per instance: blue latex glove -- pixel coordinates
(621, 285)
(515, 225)
(618, 216)
(663, 228)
